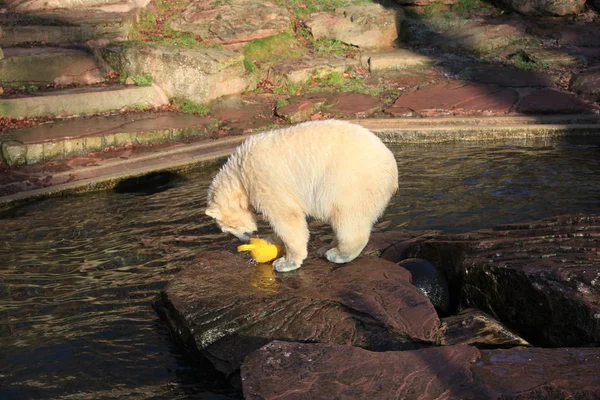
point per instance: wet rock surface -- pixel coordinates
(476, 328)
(430, 281)
(541, 279)
(226, 308)
(318, 371)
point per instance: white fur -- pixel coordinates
(331, 170)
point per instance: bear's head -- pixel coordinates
(233, 215)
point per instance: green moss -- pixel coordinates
(325, 47)
(525, 61)
(346, 83)
(139, 80)
(271, 49)
(189, 106)
(281, 103)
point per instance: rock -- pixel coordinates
(233, 21)
(301, 108)
(242, 115)
(456, 97)
(545, 7)
(430, 281)
(365, 26)
(282, 370)
(397, 59)
(540, 279)
(424, 2)
(353, 105)
(40, 5)
(587, 84)
(565, 34)
(558, 57)
(505, 76)
(482, 39)
(478, 329)
(301, 70)
(226, 308)
(46, 65)
(549, 101)
(199, 74)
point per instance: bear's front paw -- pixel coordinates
(335, 256)
(282, 265)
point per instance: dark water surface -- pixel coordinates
(78, 274)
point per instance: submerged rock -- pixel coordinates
(319, 371)
(430, 281)
(226, 308)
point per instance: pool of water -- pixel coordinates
(78, 273)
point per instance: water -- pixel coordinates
(78, 274)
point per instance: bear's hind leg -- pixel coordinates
(352, 236)
(291, 227)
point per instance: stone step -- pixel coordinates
(39, 66)
(93, 27)
(85, 135)
(82, 101)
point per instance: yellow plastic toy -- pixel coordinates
(261, 250)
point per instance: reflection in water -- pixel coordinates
(78, 274)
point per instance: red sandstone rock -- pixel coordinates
(540, 279)
(549, 101)
(286, 371)
(545, 7)
(233, 21)
(225, 307)
(456, 96)
(587, 84)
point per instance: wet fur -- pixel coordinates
(331, 170)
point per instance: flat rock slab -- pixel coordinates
(353, 105)
(301, 70)
(480, 39)
(102, 125)
(350, 105)
(587, 84)
(233, 21)
(544, 7)
(505, 76)
(549, 101)
(46, 65)
(80, 101)
(283, 371)
(365, 26)
(397, 59)
(226, 308)
(455, 97)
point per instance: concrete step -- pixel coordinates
(40, 66)
(82, 101)
(92, 27)
(85, 135)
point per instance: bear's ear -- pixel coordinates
(212, 212)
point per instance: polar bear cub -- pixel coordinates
(331, 170)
